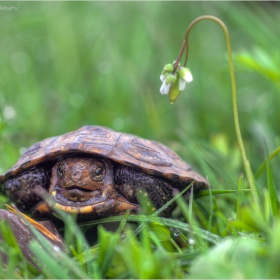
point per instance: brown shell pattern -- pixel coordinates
(149, 156)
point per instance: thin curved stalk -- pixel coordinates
(246, 163)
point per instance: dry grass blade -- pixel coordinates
(38, 226)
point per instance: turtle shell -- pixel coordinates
(149, 156)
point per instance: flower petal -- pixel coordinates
(182, 84)
(164, 89)
(186, 74)
(188, 77)
(162, 77)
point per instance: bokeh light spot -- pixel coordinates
(118, 124)
(9, 112)
(105, 67)
(76, 100)
(20, 62)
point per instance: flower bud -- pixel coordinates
(170, 79)
(174, 91)
(168, 68)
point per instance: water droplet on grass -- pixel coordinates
(56, 248)
(191, 241)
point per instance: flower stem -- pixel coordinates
(246, 163)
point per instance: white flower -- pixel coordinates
(165, 88)
(174, 80)
(162, 77)
(186, 75)
(167, 81)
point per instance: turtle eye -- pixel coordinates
(60, 170)
(97, 172)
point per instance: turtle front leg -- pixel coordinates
(26, 189)
(130, 183)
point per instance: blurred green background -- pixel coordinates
(69, 64)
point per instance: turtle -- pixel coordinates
(96, 172)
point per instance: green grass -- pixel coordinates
(68, 64)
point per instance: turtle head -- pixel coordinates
(83, 186)
(79, 182)
(80, 179)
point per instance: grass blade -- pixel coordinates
(220, 191)
(239, 197)
(209, 226)
(274, 202)
(165, 221)
(155, 214)
(263, 165)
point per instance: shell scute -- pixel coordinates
(32, 149)
(143, 150)
(27, 163)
